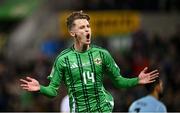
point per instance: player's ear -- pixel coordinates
(72, 33)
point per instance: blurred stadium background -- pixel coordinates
(138, 33)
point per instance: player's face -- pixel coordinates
(81, 31)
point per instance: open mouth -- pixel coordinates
(88, 36)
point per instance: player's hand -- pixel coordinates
(30, 84)
(145, 78)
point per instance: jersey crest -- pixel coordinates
(97, 61)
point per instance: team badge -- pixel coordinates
(97, 61)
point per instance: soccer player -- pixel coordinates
(150, 103)
(82, 68)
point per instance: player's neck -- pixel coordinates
(155, 94)
(80, 47)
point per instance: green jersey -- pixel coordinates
(82, 73)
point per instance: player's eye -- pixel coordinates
(82, 27)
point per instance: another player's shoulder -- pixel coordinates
(141, 100)
(137, 101)
(146, 98)
(100, 49)
(160, 106)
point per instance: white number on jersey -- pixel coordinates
(88, 76)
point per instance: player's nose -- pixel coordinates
(87, 29)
